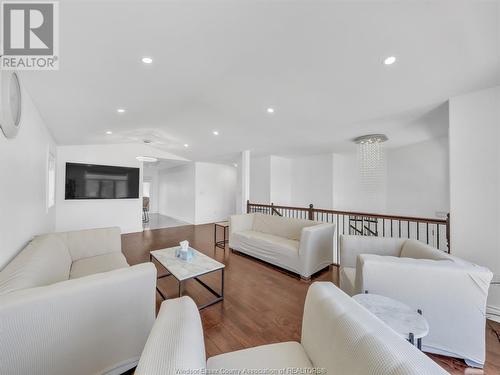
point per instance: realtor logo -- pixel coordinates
(30, 35)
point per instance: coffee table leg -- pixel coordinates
(411, 339)
(219, 296)
(180, 288)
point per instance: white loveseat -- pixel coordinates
(338, 335)
(70, 304)
(451, 292)
(301, 246)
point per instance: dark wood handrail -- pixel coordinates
(353, 213)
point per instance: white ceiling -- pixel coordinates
(220, 64)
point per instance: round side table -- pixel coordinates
(407, 323)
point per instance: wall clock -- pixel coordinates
(10, 111)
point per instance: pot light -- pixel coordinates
(120, 110)
(109, 132)
(270, 110)
(235, 165)
(147, 60)
(186, 145)
(147, 159)
(215, 132)
(390, 60)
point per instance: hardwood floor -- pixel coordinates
(262, 304)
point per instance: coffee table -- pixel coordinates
(401, 318)
(183, 270)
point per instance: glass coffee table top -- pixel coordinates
(198, 265)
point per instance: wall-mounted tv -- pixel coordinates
(89, 181)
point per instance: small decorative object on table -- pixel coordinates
(184, 251)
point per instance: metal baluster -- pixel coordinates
(427, 229)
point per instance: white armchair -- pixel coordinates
(338, 335)
(451, 292)
(70, 304)
(301, 246)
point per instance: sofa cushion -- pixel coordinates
(270, 242)
(91, 242)
(97, 264)
(44, 261)
(273, 356)
(347, 279)
(281, 226)
(419, 250)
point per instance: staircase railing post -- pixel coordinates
(248, 206)
(272, 208)
(311, 212)
(448, 239)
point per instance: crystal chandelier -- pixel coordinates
(372, 169)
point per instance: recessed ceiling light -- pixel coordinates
(215, 132)
(186, 145)
(109, 132)
(120, 110)
(235, 165)
(270, 110)
(390, 60)
(147, 159)
(147, 60)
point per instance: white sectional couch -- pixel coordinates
(301, 246)
(338, 335)
(70, 304)
(451, 292)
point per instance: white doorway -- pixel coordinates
(154, 217)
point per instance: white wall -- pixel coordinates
(89, 213)
(97, 213)
(260, 179)
(312, 181)
(280, 180)
(418, 179)
(215, 192)
(23, 182)
(415, 173)
(176, 188)
(475, 182)
(198, 193)
(347, 192)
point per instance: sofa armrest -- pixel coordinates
(352, 246)
(89, 325)
(316, 248)
(238, 223)
(176, 341)
(450, 295)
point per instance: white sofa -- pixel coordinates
(338, 335)
(301, 246)
(70, 304)
(451, 292)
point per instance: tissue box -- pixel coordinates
(185, 255)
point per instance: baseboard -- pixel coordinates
(493, 313)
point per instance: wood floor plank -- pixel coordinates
(262, 304)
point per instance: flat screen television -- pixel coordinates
(89, 181)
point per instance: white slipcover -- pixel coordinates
(300, 246)
(451, 292)
(87, 322)
(338, 335)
